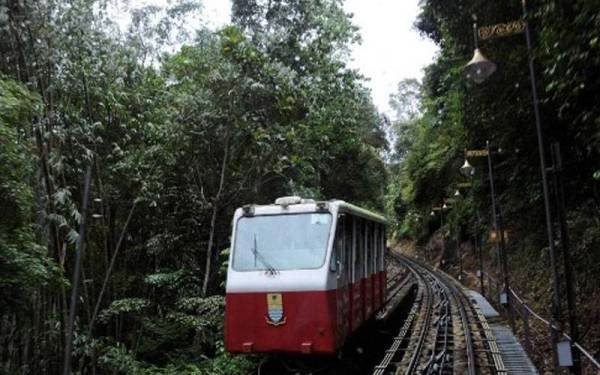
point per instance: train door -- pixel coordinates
(357, 272)
(342, 267)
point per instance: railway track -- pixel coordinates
(431, 328)
(442, 333)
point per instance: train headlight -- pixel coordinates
(322, 206)
(248, 210)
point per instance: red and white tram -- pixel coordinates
(302, 276)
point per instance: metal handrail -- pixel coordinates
(546, 322)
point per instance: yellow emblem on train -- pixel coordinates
(275, 309)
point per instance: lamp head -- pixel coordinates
(479, 68)
(467, 169)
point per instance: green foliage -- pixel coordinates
(116, 358)
(336, 130)
(455, 115)
(124, 306)
(119, 360)
(24, 266)
(180, 133)
(165, 279)
(225, 364)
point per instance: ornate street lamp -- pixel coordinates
(478, 70)
(467, 169)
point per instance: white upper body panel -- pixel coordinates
(317, 279)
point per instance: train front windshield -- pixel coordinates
(281, 242)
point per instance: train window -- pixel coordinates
(376, 252)
(369, 247)
(348, 243)
(379, 248)
(337, 256)
(382, 246)
(359, 249)
(281, 242)
(366, 247)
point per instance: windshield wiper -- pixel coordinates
(258, 255)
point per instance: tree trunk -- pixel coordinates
(80, 246)
(109, 271)
(209, 250)
(213, 220)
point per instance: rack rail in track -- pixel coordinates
(442, 334)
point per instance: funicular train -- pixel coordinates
(302, 275)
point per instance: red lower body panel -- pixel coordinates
(376, 292)
(368, 296)
(357, 306)
(343, 313)
(383, 286)
(309, 323)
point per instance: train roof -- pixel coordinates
(296, 204)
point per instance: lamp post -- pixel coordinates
(432, 214)
(458, 195)
(479, 69)
(468, 170)
(480, 254)
(441, 208)
(499, 229)
(444, 207)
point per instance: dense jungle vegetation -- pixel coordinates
(172, 130)
(441, 117)
(175, 132)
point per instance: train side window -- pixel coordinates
(374, 242)
(381, 240)
(382, 244)
(376, 247)
(338, 246)
(348, 243)
(359, 249)
(369, 247)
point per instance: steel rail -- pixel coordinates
(399, 339)
(406, 327)
(424, 303)
(427, 313)
(459, 296)
(438, 356)
(460, 303)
